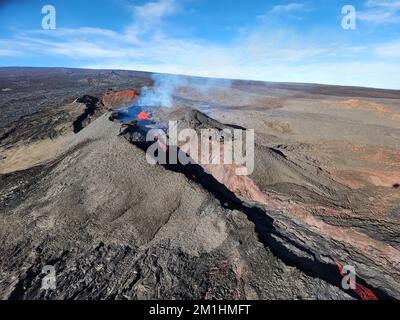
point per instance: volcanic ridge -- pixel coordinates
(77, 192)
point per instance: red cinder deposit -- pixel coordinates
(119, 98)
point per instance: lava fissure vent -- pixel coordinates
(91, 106)
(265, 228)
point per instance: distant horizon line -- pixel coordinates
(204, 77)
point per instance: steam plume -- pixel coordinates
(162, 94)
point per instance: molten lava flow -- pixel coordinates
(162, 145)
(363, 292)
(143, 116)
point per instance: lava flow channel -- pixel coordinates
(136, 117)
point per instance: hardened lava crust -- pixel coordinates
(77, 193)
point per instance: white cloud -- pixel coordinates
(5, 52)
(258, 53)
(257, 47)
(285, 8)
(148, 17)
(155, 10)
(382, 12)
(383, 3)
(288, 10)
(389, 50)
(7, 49)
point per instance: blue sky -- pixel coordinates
(290, 41)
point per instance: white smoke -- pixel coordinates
(165, 85)
(162, 93)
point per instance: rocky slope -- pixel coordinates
(78, 195)
(113, 228)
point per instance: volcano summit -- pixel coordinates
(78, 194)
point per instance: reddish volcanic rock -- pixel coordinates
(119, 98)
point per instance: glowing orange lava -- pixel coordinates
(143, 116)
(363, 292)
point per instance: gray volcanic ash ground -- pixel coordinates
(77, 193)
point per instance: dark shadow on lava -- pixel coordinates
(265, 229)
(396, 185)
(235, 126)
(91, 106)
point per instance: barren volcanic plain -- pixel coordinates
(77, 193)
